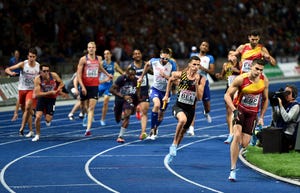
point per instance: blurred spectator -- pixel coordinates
(159, 24)
(194, 51)
(14, 60)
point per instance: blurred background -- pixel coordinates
(61, 29)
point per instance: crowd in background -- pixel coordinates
(60, 29)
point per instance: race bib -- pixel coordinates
(246, 65)
(187, 97)
(92, 72)
(250, 100)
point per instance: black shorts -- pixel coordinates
(91, 93)
(47, 105)
(187, 110)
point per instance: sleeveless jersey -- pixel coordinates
(27, 75)
(205, 62)
(90, 74)
(159, 82)
(248, 55)
(229, 74)
(110, 68)
(48, 85)
(139, 71)
(126, 87)
(249, 94)
(186, 91)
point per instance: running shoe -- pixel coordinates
(71, 117)
(143, 136)
(173, 150)
(208, 117)
(21, 133)
(48, 124)
(190, 131)
(253, 140)
(232, 175)
(229, 139)
(120, 140)
(81, 115)
(153, 134)
(88, 133)
(102, 123)
(36, 138)
(169, 158)
(30, 134)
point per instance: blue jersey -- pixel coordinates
(110, 68)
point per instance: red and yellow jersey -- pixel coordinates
(248, 54)
(249, 94)
(90, 74)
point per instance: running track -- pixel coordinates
(66, 161)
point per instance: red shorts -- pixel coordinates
(247, 119)
(26, 95)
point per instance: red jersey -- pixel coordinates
(248, 54)
(249, 94)
(90, 74)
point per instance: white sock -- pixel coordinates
(122, 131)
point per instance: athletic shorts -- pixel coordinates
(46, 105)
(104, 89)
(187, 110)
(247, 119)
(26, 95)
(206, 92)
(144, 94)
(154, 93)
(92, 93)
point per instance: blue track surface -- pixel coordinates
(66, 161)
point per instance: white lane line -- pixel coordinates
(182, 177)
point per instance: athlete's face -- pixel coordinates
(107, 55)
(131, 74)
(164, 58)
(45, 72)
(91, 48)
(137, 55)
(257, 70)
(31, 57)
(253, 40)
(194, 65)
(204, 47)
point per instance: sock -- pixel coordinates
(122, 131)
(154, 117)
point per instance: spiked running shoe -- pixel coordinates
(229, 139)
(120, 140)
(232, 175)
(190, 131)
(143, 136)
(88, 133)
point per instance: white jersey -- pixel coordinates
(205, 62)
(159, 82)
(27, 75)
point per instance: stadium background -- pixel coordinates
(61, 29)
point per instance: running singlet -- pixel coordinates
(90, 74)
(27, 75)
(126, 87)
(139, 72)
(110, 68)
(248, 55)
(159, 82)
(249, 94)
(186, 91)
(205, 61)
(48, 85)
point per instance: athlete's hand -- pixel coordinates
(15, 117)
(235, 115)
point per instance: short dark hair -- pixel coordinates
(33, 51)
(259, 61)
(254, 32)
(165, 51)
(294, 90)
(193, 58)
(44, 65)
